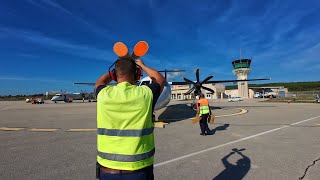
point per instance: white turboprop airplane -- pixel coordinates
(165, 95)
(69, 97)
(66, 96)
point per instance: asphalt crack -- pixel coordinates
(306, 170)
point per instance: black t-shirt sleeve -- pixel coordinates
(155, 88)
(99, 88)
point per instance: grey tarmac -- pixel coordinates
(278, 141)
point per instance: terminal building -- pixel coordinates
(178, 91)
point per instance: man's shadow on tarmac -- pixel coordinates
(219, 128)
(234, 172)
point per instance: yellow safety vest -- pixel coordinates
(204, 106)
(125, 137)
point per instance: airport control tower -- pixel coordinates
(241, 68)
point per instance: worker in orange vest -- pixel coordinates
(204, 111)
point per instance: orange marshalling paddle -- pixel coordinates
(140, 49)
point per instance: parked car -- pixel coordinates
(37, 101)
(317, 99)
(257, 95)
(236, 98)
(269, 94)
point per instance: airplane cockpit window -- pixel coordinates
(145, 83)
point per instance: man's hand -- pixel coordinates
(103, 80)
(139, 62)
(152, 73)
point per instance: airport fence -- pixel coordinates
(303, 94)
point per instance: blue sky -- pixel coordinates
(45, 45)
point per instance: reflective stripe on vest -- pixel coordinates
(126, 158)
(125, 138)
(120, 132)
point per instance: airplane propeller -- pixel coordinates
(83, 93)
(198, 85)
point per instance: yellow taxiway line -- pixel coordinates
(243, 111)
(160, 124)
(156, 124)
(81, 130)
(42, 130)
(10, 129)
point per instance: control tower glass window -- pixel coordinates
(241, 63)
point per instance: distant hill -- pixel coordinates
(292, 86)
(20, 97)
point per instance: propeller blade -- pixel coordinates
(197, 74)
(197, 92)
(206, 79)
(179, 83)
(190, 90)
(208, 89)
(187, 80)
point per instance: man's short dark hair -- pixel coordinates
(125, 66)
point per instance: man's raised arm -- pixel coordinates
(103, 80)
(152, 73)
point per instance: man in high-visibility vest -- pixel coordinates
(204, 111)
(125, 140)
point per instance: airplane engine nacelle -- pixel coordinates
(164, 98)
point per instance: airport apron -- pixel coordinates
(125, 137)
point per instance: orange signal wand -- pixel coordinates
(120, 49)
(140, 49)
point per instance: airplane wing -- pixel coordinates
(92, 84)
(85, 83)
(220, 81)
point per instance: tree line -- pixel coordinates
(292, 86)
